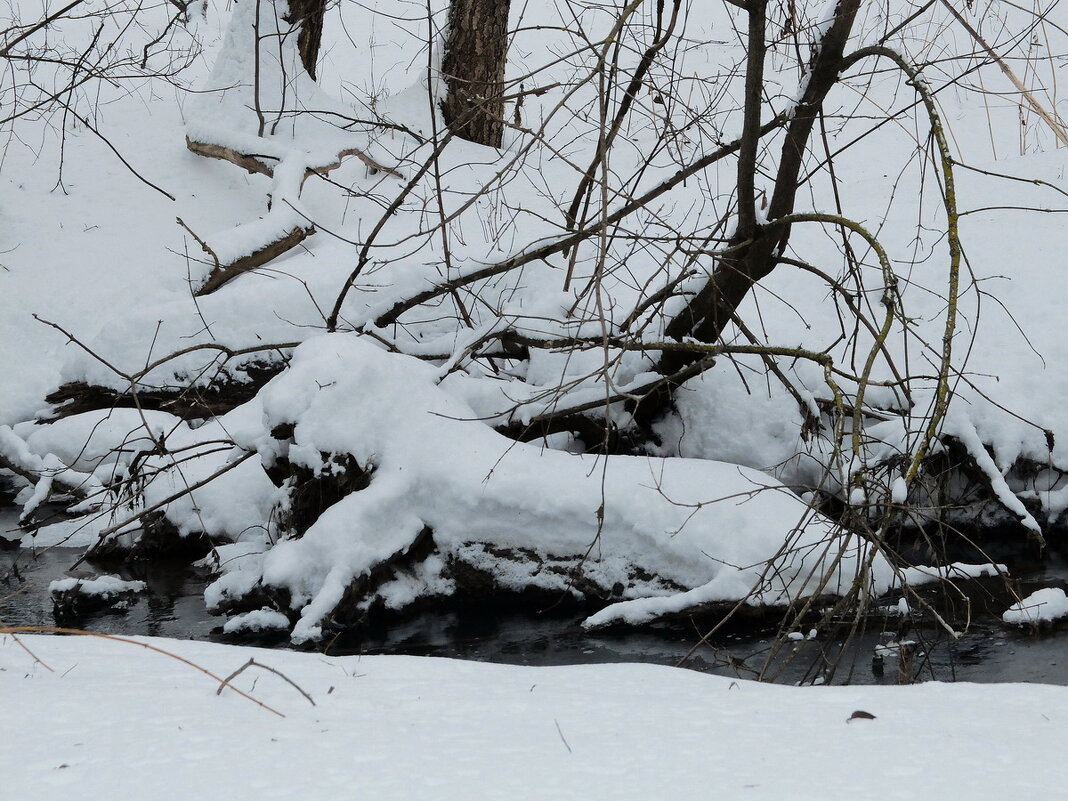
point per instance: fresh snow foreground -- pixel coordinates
(116, 720)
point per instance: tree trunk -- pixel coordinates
(473, 68)
(757, 246)
(309, 13)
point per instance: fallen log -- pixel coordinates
(463, 572)
(470, 574)
(251, 163)
(285, 234)
(224, 273)
(257, 163)
(188, 403)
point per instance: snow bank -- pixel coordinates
(115, 716)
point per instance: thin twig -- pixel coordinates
(253, 663)
(562, 738)
(35, 657)
(83, 633)
(169, 499)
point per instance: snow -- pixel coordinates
(894, 649)
(102, 586)
(919, 574)
(1042, 606)
(692, 522)
(713, 515)
(256, 621)
(721, 418)
(965, 431)
(115, 715)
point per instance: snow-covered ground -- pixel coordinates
(86, 243)
(115, 720)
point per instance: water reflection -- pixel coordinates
(174, 607)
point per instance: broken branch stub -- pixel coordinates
(227, 272)
(259, 163)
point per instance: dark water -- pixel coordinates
(988, 652)
(172, 607)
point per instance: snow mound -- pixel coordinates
(1043, 606)
(258, 620)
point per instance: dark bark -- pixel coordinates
(311, 494)
(473, 68)
(309, 13)
(158, 541)
(224, 273)
(756, 247)
(188, 403)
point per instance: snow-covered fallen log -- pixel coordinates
(525, 517)
(73, 599)
(375, 488)
(46, 472)
(229, 389)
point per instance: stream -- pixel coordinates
(987, 652)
